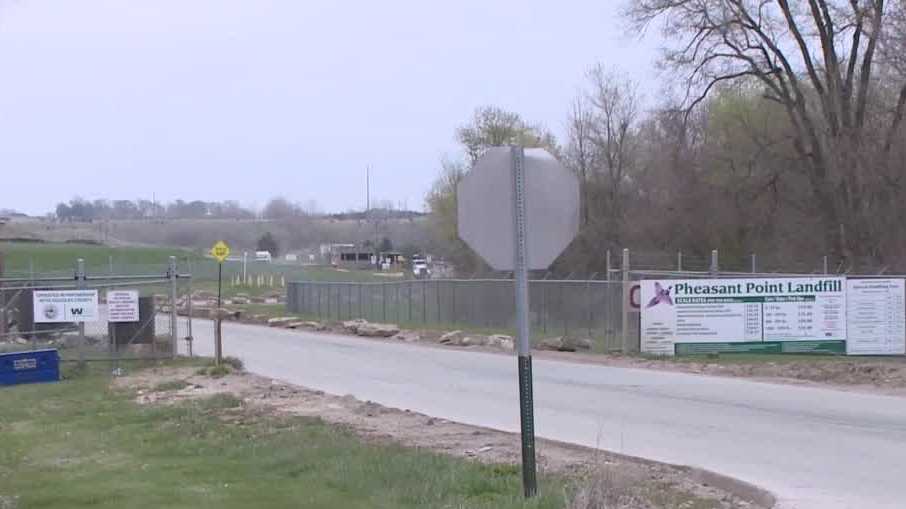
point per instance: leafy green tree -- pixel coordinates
(268, 243)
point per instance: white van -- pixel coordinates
(263, 256)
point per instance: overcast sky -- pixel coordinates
(245, 100)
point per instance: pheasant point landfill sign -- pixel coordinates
(744, 315)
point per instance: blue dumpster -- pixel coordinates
(29, 367)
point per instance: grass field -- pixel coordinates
(81, 444)
(23, 258)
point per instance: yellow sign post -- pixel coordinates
(220, 251)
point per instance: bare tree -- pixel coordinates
(818, 60)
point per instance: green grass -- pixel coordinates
(171, 385)
(79, 444)
(43, 257)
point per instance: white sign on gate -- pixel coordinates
(65, 306)
(122, 306)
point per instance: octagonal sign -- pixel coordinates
(486, 208)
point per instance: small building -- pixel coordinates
(354, 257)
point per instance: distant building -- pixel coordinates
(353, 257)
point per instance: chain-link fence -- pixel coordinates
(589, 308)
(161, 290)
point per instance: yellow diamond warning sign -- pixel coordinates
(220, 251)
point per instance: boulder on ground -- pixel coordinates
(453, 338)
(240, 301)
(281, 321)
(573, 344)
(378, 330)
(318, 326)
(565, 344)
(353, 325)
(550, 344)
(473, 341)
(229, 314)
(501, 341)
(408, 336)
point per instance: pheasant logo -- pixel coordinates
(661, 296)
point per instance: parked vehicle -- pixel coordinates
(420, 267)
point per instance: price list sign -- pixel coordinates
(876, 317)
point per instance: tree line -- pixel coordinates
(278, 208)
(779, 132)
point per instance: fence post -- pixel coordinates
(753, 263)
(453, 289)
(608, 264)
(3, 319)
(588, 303)
(715, 266)
(679, 260)
(174, 344)
(410, 301)
(189, 337)
(425, 301)
(80, 284)
(625, 268)
(825, 264)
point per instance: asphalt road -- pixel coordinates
(813, 448)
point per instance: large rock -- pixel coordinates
(572, 344)
(551, 344)
(408, 336)
(378, 330)
(501, 341)
(318, 326)
(353, 325)
(240, 301)
(229, 314)
(453, 338)
(473, 341)
(565, 344)
(257, 319)
(281, 322)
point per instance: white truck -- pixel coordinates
(420, 267)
